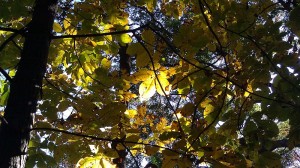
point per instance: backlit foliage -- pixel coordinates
(210, 81)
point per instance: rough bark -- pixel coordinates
(26, 86)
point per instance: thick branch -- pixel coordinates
(26, 85)
(10, 38)
(7, 77)
(9, 29)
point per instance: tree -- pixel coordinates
(175, 83)
(25, 86)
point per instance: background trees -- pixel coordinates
(179, 82)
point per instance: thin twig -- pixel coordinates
(60, 90)
(100, 34)
(99, 138)
(170, 45)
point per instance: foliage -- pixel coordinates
(210, 81)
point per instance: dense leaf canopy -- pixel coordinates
(171, 82)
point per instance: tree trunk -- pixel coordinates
(26, 86)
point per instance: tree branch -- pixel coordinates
(100, 34)
(85, 72)
(101, 139)
(208, 24)
(16, 32)
(265, 54)
(216, 117)
(5, 75)
(159, 83)
(170, 45)
(10, 29)
(60, 90)
(7, 41)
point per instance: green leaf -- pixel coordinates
(250, 127)
(168, 135)
(269, 158)
(5, 93)
(294, 21)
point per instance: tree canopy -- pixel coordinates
(175, 83)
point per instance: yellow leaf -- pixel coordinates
(131, 113)
(59, 58)
(105, 63)
(162, 84)
(106, 164)
(108, 38)
(249, 88)
(57, 28)
(87, 68)
(88, 162)
(71, 31)
(126, 96)
(208, 107)
(80, 73)
(67, 23)
(147, 88)
(141, 109)
(171, 71)
(162, 124)
(156, 66)
(125, 38)
(93, 43)
(141, 75)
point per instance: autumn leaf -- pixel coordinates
(147, 88)
(162, 84)
(56, 27)
(226, 74)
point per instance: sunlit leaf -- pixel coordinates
(56, 27)
(226, 75)
(147, 88)
(162, 84)
(105, 63)
(131, 113)
(125, 38)
(5, 93)
(67, 23)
